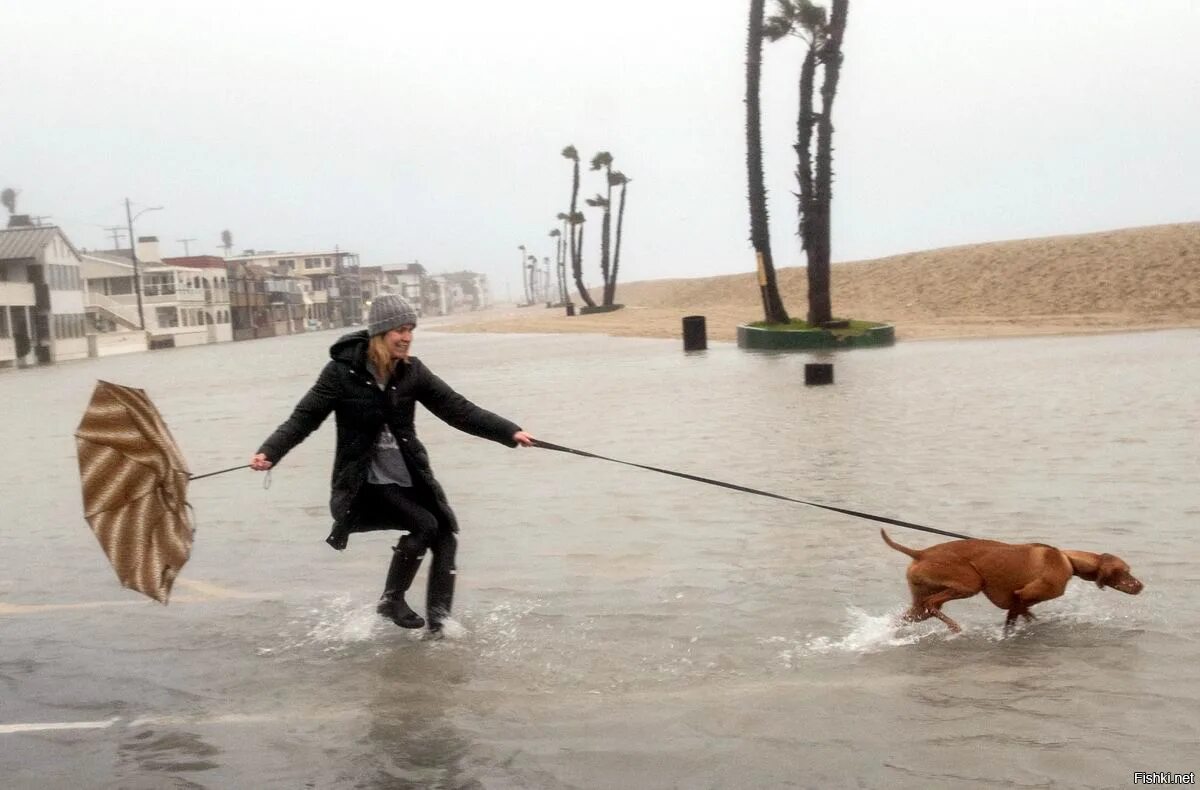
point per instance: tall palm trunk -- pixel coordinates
(806, 205)
(820, 309)
(605, 237)
(577, 240)
(578, 273)
(562, 263)
(760, 237)
(610, 293)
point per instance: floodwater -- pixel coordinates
(618, 628)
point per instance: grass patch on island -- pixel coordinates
(839, 327)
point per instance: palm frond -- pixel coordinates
(570, 153)
(602, 159)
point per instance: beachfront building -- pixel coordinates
(409, 280)
(333, 295)
(370, 283)
(210, 275)
(42, 317)
(286, 302)
(248, 304)
(179, 305)
(459, 292)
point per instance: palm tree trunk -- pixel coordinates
(605, 236)
(760, 237)
(806, 207)
(577, 270)
(820, 304)
(577, 242)
(610, 293)
(562, 263)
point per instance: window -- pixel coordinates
(4, 322)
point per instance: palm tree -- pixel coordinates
(601, 202)
(603, 160)
(617, 178)
(556, 234)
(760, 236)
(531, 286)
(823, 36)
(524, 278)
(562, 263)
(227, 241)
(576, 219)
(8, 199)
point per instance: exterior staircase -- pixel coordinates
(122, 315)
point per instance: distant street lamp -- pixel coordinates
(137, 277)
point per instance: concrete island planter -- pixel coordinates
(817, 338)
(600, 308)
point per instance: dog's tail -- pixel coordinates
(914, 553)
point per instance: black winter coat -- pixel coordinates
(347, 388)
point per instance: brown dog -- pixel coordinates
(1012, 576)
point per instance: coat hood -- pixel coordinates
(350, 348)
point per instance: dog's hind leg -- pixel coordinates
(933, 605)
(934, 584)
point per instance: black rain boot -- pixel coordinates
(439, 594)
(400, 577)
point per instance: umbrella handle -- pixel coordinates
(223, 471)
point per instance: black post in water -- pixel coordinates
(694, 333)
(570, 309)
(818, 373)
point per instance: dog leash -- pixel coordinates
(734, 487)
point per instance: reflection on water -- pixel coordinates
(621, 628)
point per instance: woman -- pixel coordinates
(381, 473)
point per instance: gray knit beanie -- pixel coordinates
(389, 312)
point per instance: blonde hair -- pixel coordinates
(381, 358)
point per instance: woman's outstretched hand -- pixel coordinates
(259, 463)
(523, 439)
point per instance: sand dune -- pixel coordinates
(1122, 280)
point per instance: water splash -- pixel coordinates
(335, 625)
(868, 633)
(343, 622)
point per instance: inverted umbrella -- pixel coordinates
(134, 488)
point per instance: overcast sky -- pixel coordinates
(431, 131)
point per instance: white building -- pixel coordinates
(180, 305)
(42, 317)
(408, 280)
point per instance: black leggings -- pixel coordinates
(413, 507)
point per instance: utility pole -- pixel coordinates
(115, 232)
(137, 275)
(185, 243)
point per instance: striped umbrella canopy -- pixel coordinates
(134, 489)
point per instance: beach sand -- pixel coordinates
(1121, 280)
